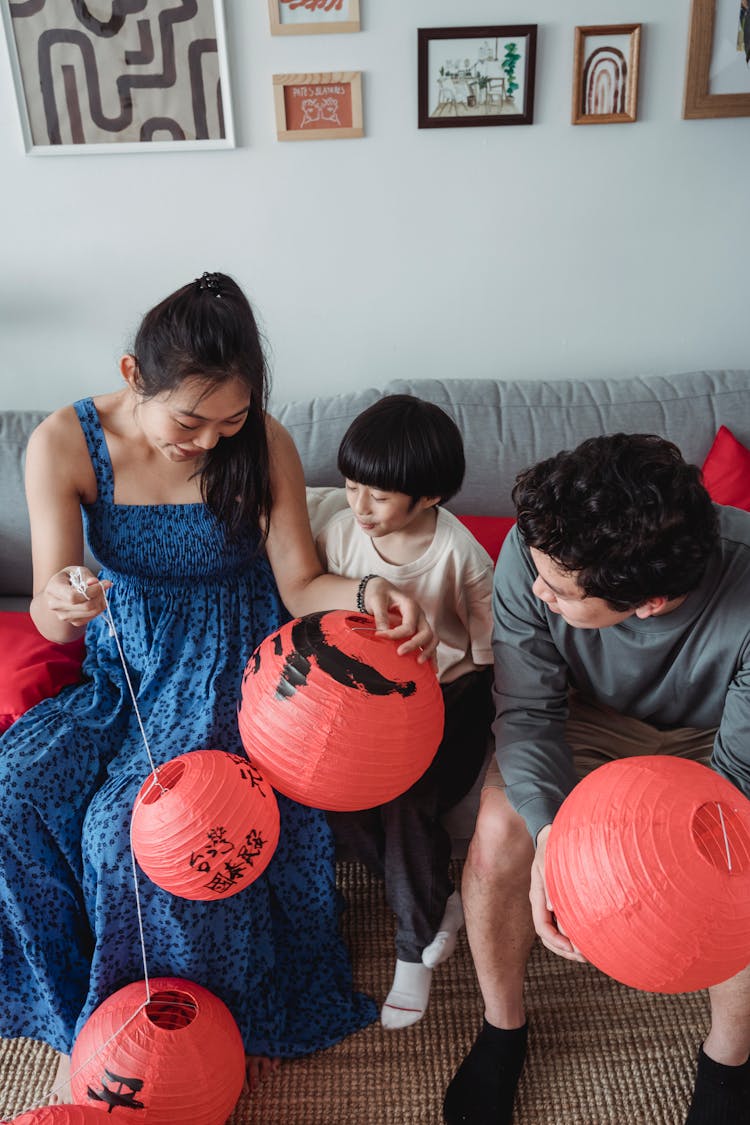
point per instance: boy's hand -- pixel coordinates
(386, 603)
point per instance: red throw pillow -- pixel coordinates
(726, 471)
(490, 531)
(32, 668)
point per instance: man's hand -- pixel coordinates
(545, 922)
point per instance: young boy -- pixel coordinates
(401, 458)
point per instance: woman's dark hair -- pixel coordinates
(624, 512)
(206, 330)
(404, 444)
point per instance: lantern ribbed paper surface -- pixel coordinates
(60, 1115)
(209, 828)
(334, 717)
(648, 873)
(181, 1059)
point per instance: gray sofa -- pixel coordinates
(506, 425)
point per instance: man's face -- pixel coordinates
(560, 592)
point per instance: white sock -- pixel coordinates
(406, 1003)
(444, 942)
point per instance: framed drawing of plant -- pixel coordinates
(717, 79)
(313, 17)
(138, 78)
(476, 76)
(605, 74)
(318, 107)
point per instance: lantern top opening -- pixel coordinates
(168, 776)
(171, 1010)
(721, 837)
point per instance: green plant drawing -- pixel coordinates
(508, 64)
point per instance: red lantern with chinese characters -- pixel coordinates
(205, 826)
(176, 1057)
(648, 873)
(334, 717)
(60, 1115)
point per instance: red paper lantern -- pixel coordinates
(334, 717)
(648, 873)
(180, 1058)
(60, 1115)
(208, 828)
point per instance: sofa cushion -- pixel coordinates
(726, 471)
(489, 531)
(32, 668)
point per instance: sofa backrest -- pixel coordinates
(507, 425)
(15, 547)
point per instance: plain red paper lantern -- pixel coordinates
(334, 717)
(648, 873)
(208, 828)
(180, 1059)
(60, 1115)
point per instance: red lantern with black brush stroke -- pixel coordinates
(648, 873)
(334, 717)
(177, 1058)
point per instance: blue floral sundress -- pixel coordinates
(189, 608)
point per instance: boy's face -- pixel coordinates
(382, 513)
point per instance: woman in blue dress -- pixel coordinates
(192, 498)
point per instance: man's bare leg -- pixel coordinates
(722, 1088)
(495, 891)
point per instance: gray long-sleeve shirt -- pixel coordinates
(688, 668)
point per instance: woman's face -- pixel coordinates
(184, 424)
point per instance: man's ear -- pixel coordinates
(129, 372)
(651, 608)
(429, 501)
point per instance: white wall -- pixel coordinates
(549, 250)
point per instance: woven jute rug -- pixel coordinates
(600, 1053)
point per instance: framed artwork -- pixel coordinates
(605, 74)
(313, 17)
(318, 107)
(147, 78)
(476, 76)
(717, 80)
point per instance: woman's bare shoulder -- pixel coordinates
(58, 447)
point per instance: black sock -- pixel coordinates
(484, 1086)
(721, 1095)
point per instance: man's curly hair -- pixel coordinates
(625, 513)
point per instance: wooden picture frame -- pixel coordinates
(710, 41)
(318, 107)
(313, 17)
(473, 76)
(606, 58)
(80, 91)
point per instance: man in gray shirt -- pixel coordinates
(622, 626)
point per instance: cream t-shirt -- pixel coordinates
(452, 581)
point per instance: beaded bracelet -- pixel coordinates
(361, 592)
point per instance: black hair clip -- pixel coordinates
(210, 282)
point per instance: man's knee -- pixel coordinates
(501, 844)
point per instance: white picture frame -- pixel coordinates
(313, 17)
(140, 82)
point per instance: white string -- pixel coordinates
(78, 583)
(726, 838)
